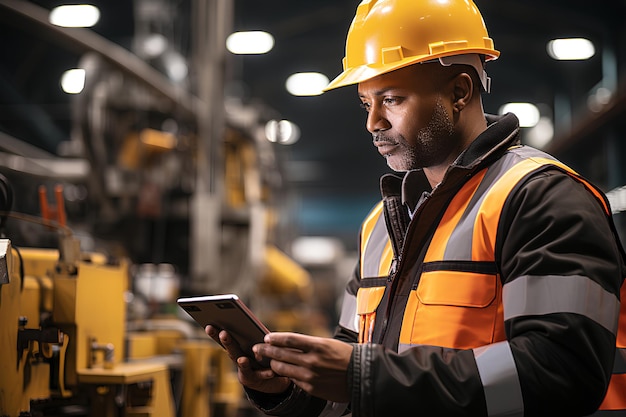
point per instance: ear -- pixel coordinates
(463, 90)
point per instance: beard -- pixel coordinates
(432, 145)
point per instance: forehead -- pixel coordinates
(412, 78)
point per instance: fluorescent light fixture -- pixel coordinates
(75, 15)
(251, 42)
(306, 83)
(282, 131)
(571, 49)
(73, 81)
(154, 45)
(175, 66)
(597, 100)
(540, 135)
(527, 113)
(316, 250)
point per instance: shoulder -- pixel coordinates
(553, 188)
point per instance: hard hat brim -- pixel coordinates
(362, 73)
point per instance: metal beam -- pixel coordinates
(29, 17)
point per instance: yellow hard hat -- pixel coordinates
(386, 35)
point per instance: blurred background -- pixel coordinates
(152, 149)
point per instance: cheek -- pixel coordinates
(408, 123)
(419, 109)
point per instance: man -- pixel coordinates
(489, 274)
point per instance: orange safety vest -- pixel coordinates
(468, 242)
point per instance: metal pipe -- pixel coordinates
(23, 14)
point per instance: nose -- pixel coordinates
(376, 120)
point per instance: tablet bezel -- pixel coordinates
(227, 312)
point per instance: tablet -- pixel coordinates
(229, 313)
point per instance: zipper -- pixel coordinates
(393, 269)
(391, 284)
(396, 266)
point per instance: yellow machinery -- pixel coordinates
(69, 348)
(63, 339)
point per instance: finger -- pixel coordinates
(245, 366)
(304, 385)
(232, 347)
(282, 354)
(257, 355)
(212, 332)
(292, 371)
(291, 340)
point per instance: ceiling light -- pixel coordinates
(73, 81)
(571, 49)
(527, 113)
(282, 131)
(306, 83)
(316, 250)
(154, 45)
(75, 15)
(175, 66)
(252, 42)
(597, 100)
(540, 135)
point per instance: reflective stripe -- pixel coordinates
(348, 318)
(528, 152)
(402, 347)
(333, 409)
(371, 219)
(406, 346)
(366, 235)
(463, 234)
(498, 375)
(451, 218)
(490, 210)
(467, 230)
(375, 246)
(539, 295)
(385, 260)
(472, 238)
(488, 216)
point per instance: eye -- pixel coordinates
(365, 106)
(390, 101)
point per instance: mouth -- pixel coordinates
(385, 148)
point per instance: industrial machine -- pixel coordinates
(158, 193)
(85, 333)
(66, 347)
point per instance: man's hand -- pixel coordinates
(317, 365)
(263, 380)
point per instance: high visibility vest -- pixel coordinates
(459, 269)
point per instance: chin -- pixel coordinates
(397, 167)
(399, 170)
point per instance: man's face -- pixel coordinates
(409, 117)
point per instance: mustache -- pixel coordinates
(382, 139)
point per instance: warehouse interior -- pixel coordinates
(171, 173)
